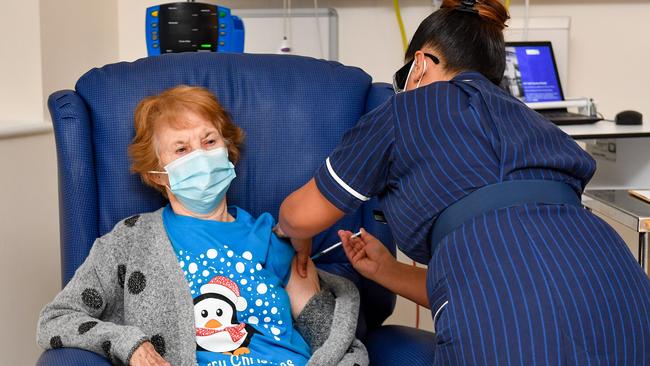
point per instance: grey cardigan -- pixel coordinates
(131, 289)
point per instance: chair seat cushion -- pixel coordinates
(71, 357)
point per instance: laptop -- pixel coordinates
(531, 75)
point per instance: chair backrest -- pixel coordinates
(293, 110)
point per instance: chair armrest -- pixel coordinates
(71, 357)
(397, 345)
(378, 300)
(77, 180)
(377, 95)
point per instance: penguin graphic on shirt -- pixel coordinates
(215, 318)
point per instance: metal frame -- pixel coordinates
(331, 13)
(644, 251)
(627, 211)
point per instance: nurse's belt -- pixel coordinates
(500, 195)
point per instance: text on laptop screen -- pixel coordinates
(531, 75)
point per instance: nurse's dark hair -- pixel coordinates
(465, 40)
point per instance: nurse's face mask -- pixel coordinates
(401, 77)
(200, 179)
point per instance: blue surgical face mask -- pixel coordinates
(200, 179)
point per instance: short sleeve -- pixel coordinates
(358, 168)
(279, 258)
(276, 253)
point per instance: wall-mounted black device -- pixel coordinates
(190, 26)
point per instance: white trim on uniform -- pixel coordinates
(437, 314)
(345, 186)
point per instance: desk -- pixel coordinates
(632, 213)
(606, 130)
(630, 167)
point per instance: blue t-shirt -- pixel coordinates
(237, 272)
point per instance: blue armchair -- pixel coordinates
(293, 110)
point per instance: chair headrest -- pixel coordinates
(293, 110)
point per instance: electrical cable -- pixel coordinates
(285, 20)
(289, 18)
(600, 115)
(400, 23)
(285, 43)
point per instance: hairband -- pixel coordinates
(467, 6)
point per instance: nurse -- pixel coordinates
(487, 193)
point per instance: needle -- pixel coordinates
(315, 256)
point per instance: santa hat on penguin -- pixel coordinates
(226, 287)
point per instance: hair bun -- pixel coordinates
(494, 11)
(491, 10)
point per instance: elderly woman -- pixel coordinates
(199, 281)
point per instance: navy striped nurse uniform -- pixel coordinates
(531, 284)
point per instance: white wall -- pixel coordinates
(20, 64)
(29, 242)
(76, 35)
(59, 40)
(28, 217)
(609, 56)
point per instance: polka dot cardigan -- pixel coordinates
(131, 289)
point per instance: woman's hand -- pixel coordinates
(146, 355)
(302, 289)
(303, 256)
(302, 248)
(367, 254)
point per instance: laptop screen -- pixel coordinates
(531, 73)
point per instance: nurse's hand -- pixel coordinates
(146, 355)
(366, 253)
(373, 260)
(302, 289)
